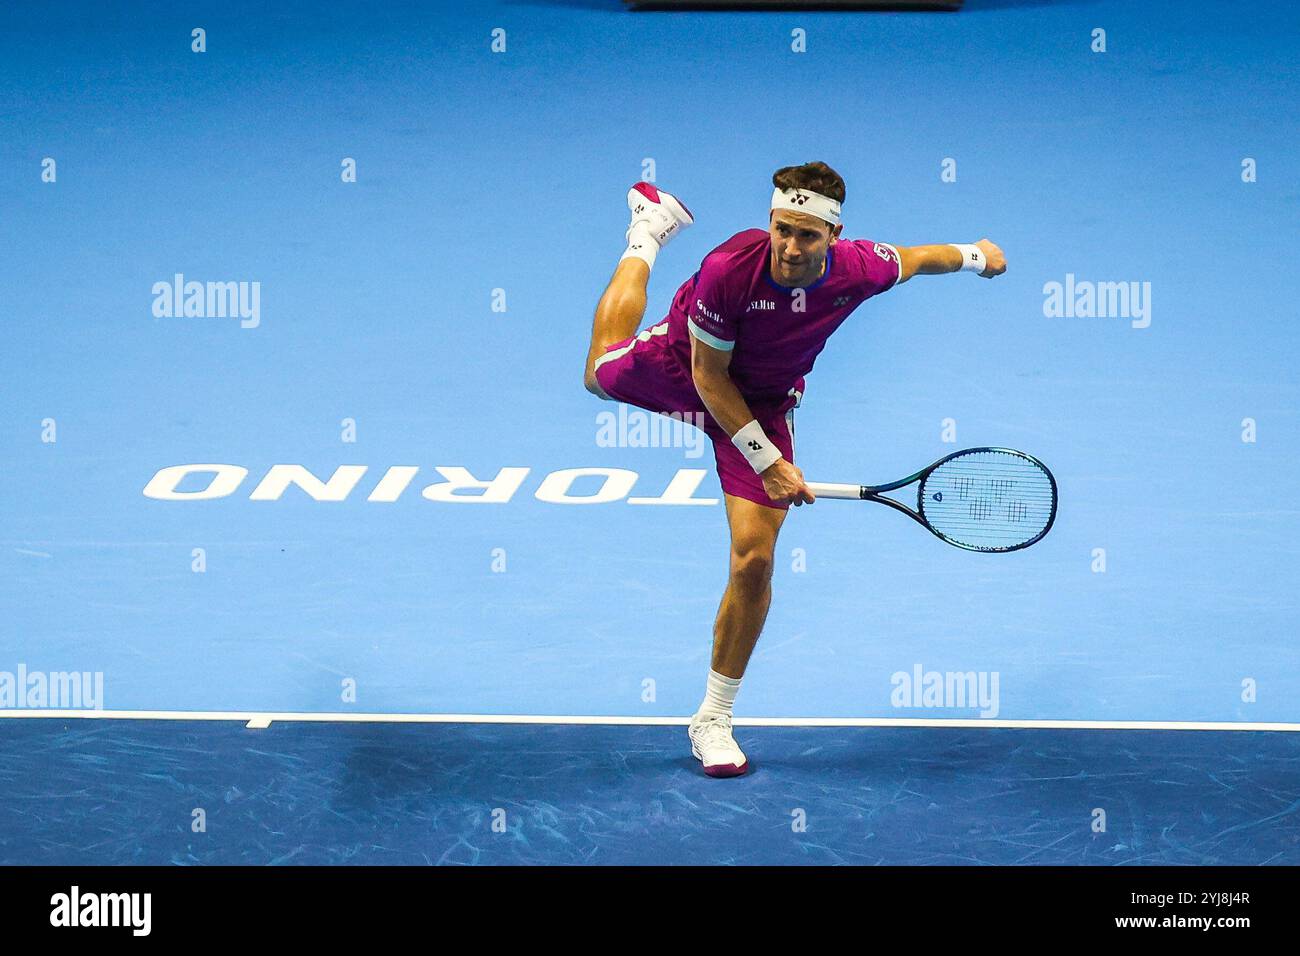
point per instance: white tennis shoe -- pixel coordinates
(713, 745)
(662, 214)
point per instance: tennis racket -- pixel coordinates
(980, 499)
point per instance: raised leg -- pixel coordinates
(618, 314)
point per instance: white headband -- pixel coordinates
(804, 200)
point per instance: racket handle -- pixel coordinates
(824, 490)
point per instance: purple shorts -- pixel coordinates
(641, 371)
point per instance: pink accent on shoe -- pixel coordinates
(647, 190)
(727, 769)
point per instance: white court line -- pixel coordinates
(264, 718)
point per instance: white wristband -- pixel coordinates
(972, 257)
(755, 446)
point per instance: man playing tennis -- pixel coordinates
(739, 338)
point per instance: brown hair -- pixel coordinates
(817, 177)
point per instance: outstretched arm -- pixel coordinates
(937, 260)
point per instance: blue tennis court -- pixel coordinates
(370, 510)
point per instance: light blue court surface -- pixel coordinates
(426, 323)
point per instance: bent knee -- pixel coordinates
(752, 566)
(592, 384)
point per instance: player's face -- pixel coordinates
(799, 246)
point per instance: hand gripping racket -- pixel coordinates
(980, 499)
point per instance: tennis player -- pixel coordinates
(739, 338)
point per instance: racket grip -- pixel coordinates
(824, 490)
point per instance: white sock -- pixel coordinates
(719, 694)
(641, 245)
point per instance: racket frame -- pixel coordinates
(876, 493)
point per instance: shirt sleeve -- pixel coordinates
(710, 316)
(880, 266)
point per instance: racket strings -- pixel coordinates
(989, 500)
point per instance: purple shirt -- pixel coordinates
(733, 304)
